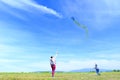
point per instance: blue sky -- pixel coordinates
(32, 30)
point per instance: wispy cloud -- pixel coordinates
(102, 13)
(30, 6)
(113, 7)
(101, 7)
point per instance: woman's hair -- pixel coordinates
(51, 57)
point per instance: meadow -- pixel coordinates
(60, 76)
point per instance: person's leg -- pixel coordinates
(53, 69)
(97, 71)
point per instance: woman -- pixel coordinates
(53, 64)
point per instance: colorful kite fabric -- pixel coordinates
(82, 26)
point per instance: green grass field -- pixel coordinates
(60, 76)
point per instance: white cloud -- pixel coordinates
(9, 61)
(73, 64)
(98, 7)
(80, 64)
(30, 6)
(109, 55)
(40, 66)
(97, 13)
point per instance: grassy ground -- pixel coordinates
(60, 76)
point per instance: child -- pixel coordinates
(97, 69)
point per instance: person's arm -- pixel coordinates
(56, 54)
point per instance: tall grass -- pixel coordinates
(60, 76)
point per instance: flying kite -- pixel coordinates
(80, 25)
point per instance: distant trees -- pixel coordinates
(116, 70)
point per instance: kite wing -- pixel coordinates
(82, 26)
